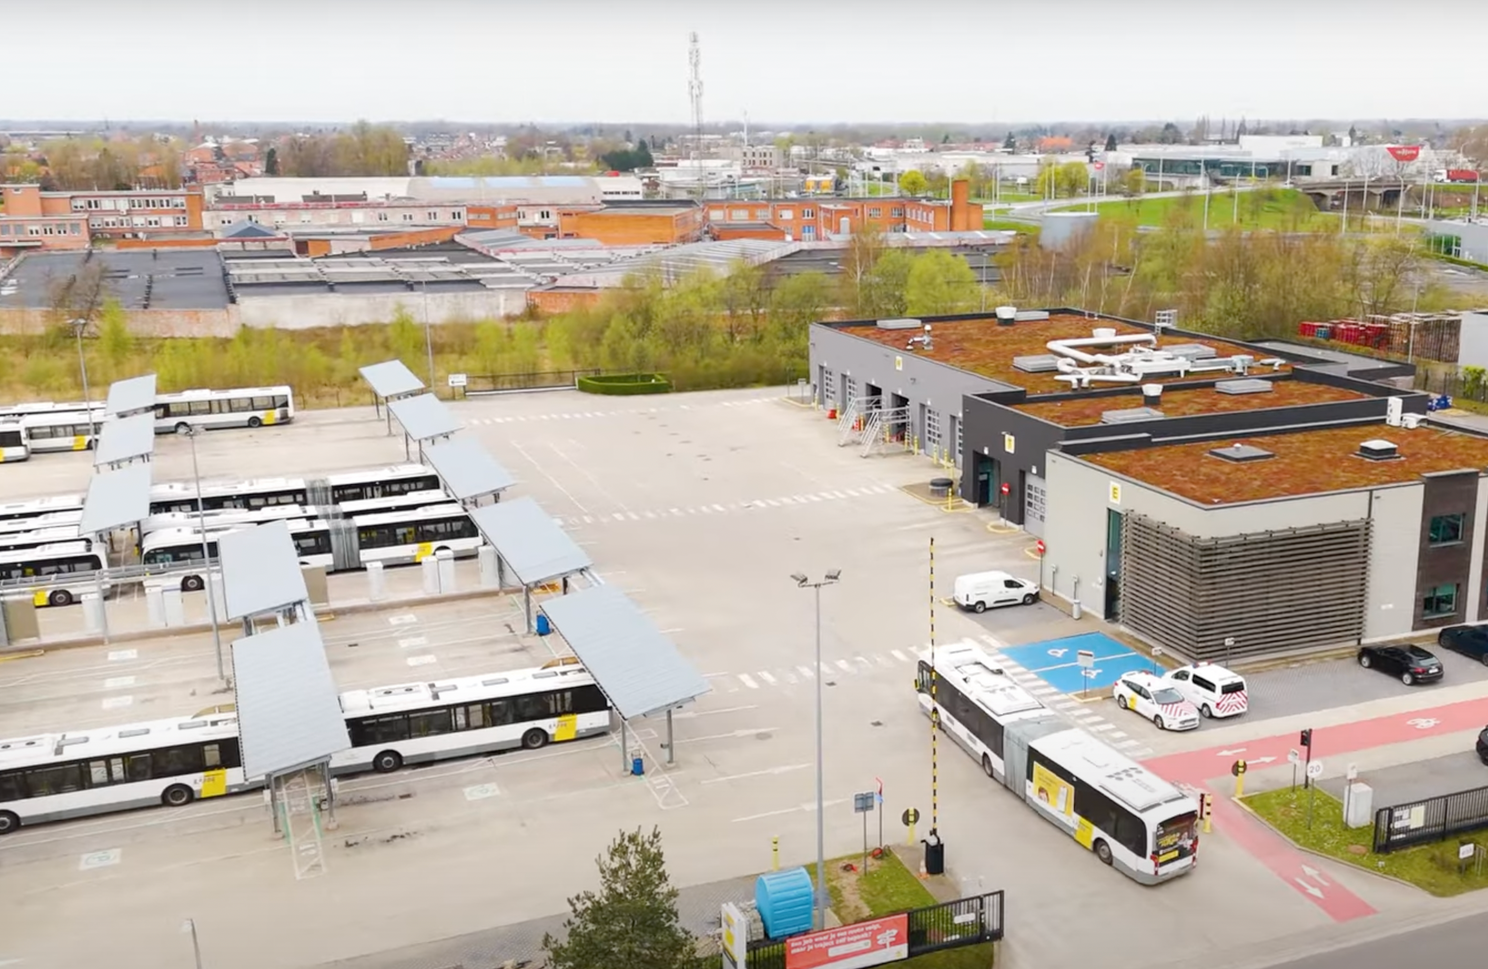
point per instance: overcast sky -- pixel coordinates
(782, 61)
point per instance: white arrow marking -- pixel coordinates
(1314, 874)
(1315, 893)
(1261, 760)
(1228, 753)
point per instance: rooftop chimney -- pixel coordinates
(1151, 395)
(1378, 450)
(1006, 315)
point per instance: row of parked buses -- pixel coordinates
(27, 429)
(51, 777)
(396, 516)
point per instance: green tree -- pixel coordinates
(492, 346)
(884, 289)
(940, 283)
(797, 302)
(405, 339)
(631, 922)
(115, 341)
(913, 183)
(526, 348)
(864, 248)
(1009, 143)
(271, 162)
(1111, 142)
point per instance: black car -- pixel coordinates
(1470, 641)
(1483, 746)
(1411, 663)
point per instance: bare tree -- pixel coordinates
(78, 295)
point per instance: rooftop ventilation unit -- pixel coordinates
(1006, 315)
(1131, 415)
(899, 324)
(1193, 351)
(1039, 363)
(1378, 450)
(1151, 395)
(1244, 387)
(1241, 453)
(1028, 316)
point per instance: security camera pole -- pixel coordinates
(820, 921)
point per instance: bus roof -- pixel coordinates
(58, 548)
(413, 515)
(972, 671)
(40, 506)
(108, 741)
(418, 696)
(47, 520)
(1112, 772)
(63, 417)
(377, 474)
(410, 499)
(207, 393)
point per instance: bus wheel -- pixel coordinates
(177, 795)
(255, 422)
(1102, 851)
(387, 762)
(534, 739)
(987, 766)
(8, 822)
(192, 583)
(60, 597)
(183, 428)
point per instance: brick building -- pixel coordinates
(616, 224)
(814, 219)
(35, 219)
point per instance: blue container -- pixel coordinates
(543, 626)
(784, 901)
(637, 766)
(1325, 333)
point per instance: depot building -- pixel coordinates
(1219, 499)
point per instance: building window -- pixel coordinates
(738, 215)
(785, 215)
(1445, 530)
(875, 213)
(382, 217)
(433, 216)
(896, 213)
(407, 216)
(808, 213)
(808, 233)
(762, 215)
(1440, 601)
(716, 215)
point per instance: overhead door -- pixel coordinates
(1035, 501)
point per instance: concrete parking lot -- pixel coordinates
(700, 507)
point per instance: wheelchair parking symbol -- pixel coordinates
(1090, 674)
(1058, 653)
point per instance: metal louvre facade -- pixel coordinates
(1292, 589)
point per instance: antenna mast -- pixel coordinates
(695, 94)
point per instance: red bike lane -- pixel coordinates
(1298, 869)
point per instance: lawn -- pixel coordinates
(1432, 867)
(1277, 209)
(1004, 197)
(885, 888)
(1008, 225)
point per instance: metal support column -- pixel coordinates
(624, 749)
(671, 756)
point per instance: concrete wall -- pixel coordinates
(1473, 340)
(152, 323)
(341, 309)
(1081, 494)
(1474, 237)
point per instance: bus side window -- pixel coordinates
(281, 401)
(98, 773)
(11, 786)
(116, 770)
(62, 779)
(139, 767)
(499, 713)
(212, 756)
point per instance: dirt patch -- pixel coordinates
(848, 904)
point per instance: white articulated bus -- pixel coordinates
(334, 489)
(11, 541)
(208, 409)
(8, 411)
(36, 507)
(13, 446)
(55, 575)
(1133, 820)
(42, 522)
(174, 762)
(63, 431)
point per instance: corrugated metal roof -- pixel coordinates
(638, 668)
(529, 541)
(390, 378)
(467, 469)
(131, 396)
(288, 712)
(424, 417)
(260, 570)
(115, 499)
(125, 439)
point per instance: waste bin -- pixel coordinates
(637, 766)
(543, 626)
(934, 855)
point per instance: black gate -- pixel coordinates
(948, 925)
(1434, 819)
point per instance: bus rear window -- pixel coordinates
(1176, 837)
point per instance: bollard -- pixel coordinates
(92, 612)
(175, 609)
(910, 841)
(445, 563)
(490, 577)
(775, 853)
(430, 565)
(376, 582)
(155, 606)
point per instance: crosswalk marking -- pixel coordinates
(748, 681)
(806, 672)
(899, 656)
(844, 665)
(767, 677)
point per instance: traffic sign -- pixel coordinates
(1086, 658)
(1315, 769)
(1237, 768)
(910, 816)
(1293, 757)
(863, 803)
(458, 380)
(1040, 547)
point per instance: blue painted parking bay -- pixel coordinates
(1056, 661)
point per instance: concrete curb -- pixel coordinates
(324, 612)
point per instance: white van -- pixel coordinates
(1216, 691)
(981, 591)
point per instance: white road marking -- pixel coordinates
(767, 677)
(402, 620)
(118, 682)
(784, 769)
(720, 508)
(120, 655)
(101, 859)
(899, 656)
(619, 517)
(789, 677)
(748, 681)
(806, 671)
(424, 660)
(481, 791)
(117, 702)
(844, 666)
(1105, 726)
(413, 641)
(1118, 734)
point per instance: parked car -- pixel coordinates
(1483, 746)
(1470, 641)
(983, 590)
(1152, 698)
(1216, 691)
(1411, 663)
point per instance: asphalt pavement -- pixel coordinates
(1323, 686)
(1419, 780)
(1458, 943)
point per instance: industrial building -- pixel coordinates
(1216, 498)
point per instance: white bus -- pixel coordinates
(62, 431)
(70, 775)
(36, 507)
(45, 407)
(55, 575)
(46, 520)
(174, 762)
(14, 541)
(216, 519)
(1133, 820)
(336, 544)
(417, 723)
(207, 409)
(333, 489)
(13, 445)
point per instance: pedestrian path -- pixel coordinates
(579, 415)
(731, 507)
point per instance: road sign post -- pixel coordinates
(863, 804)
(1314, 771)
(1156, 652)
(1086, 659)
(910, 816)
(1294, 759)
(1305, 742)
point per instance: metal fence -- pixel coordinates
(479, 384)
(1434, 819)
(1453, 385)
(948, 925)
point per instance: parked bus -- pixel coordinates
(1133, 820)
(51, 519)
(35, 507)
(333, 489)
(63, 431)
(46, 407)
(216, 519)
(14, 541)
(13, 445)
(55, 575)
(173, 762)
(210, 409)
(336, 544)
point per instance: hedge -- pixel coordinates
(625, 384)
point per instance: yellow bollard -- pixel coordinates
(775, 854)
(1240, 785)
(910, 841)
(1208, 803)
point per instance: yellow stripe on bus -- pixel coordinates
(80, 442)
(214, 783)
(424, 550)
(568, 727)
(270, 416)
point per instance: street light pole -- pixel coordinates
(428, 337)
(201, 523)
(820, 919)
(78, 326)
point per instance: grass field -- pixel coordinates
(1432, 867)
(996, 224)
(1285, 209)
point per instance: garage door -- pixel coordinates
(1035, 502)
